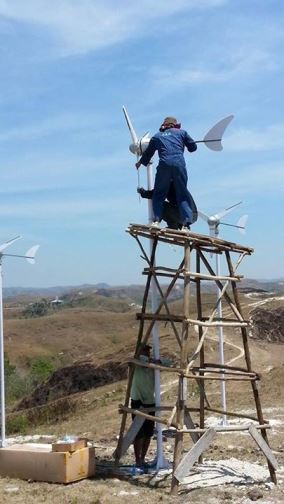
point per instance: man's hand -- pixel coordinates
(138, 164)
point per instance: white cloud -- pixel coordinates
(49, 126)
(82, 26)
(71, 207)
(242, 62)
(269, 138)
(255, 179)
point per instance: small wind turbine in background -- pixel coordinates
(214, 221)
(29, 256)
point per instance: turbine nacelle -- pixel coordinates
(141, 145)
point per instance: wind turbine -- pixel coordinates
(212, 140)
(214, 222)
(29, 256)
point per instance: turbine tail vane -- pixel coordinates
(30, 254)
(213, 139)
(242, 223)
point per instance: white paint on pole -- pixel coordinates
(137, 147)
(213, 222)
(162, 463)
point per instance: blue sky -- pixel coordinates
(67, 179)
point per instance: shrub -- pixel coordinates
(37, 309)
(41, 369)
(18, 424)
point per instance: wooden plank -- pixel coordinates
(130, 435)
(262, 444)
(192, 456)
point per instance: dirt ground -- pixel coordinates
(96, 416)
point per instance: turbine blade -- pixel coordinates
(130, 126)
(214, 136)
(30, 254)
(221, 214)
(203, 216)
(9, 242)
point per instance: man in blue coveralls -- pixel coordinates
(170, 142)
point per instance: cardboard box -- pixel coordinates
(38, 462)
(69, 447)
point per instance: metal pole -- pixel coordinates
(2, 372)
(161, 461)
(220, 337)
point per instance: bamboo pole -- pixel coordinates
(230, 413)
(229, 428)
(249, 367)
(141, 412)
(220, 285)
(158, 270)
(202, 350)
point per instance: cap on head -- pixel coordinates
(170, 120)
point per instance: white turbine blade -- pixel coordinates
(203, 216)
(221, 214)
(214, 136)
(9, 242)
(130, 126)
(30, 254)
(242, 223)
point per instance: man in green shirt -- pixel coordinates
(142, 396)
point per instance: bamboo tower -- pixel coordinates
(193, 365)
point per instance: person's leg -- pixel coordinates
(171, 215)
(138, 441)
(161, 187)
(138, 451)
(145, 446)
(182, 194)
(148, 431)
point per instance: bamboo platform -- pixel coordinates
(193, 268)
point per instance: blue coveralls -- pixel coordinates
(171, 168)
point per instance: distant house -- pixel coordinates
(56, 301)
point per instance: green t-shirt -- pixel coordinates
(143, 383)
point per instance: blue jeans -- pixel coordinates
(164, 176)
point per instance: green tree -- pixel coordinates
(37, 309)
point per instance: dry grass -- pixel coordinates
(83, 332)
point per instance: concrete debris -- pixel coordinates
(222, 472)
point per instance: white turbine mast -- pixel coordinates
(138, 146)
(29, 256)
(214, 221)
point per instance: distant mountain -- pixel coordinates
(57, 290)
(135, 292)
